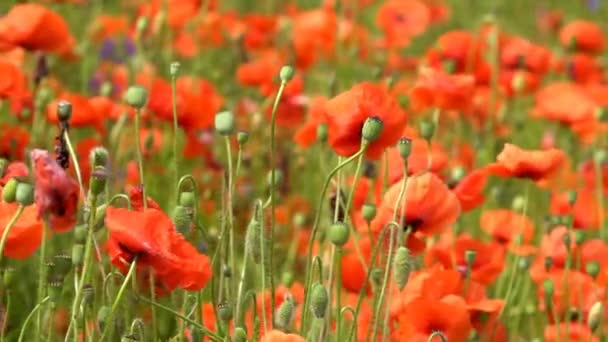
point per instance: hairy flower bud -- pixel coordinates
(319, 299)
(285, 313)
(402, 267)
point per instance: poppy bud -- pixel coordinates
(593, 269)
(524, 263)
(224, 123)
(88, 294)
(287, 278)
(285, 313)
(240, 335)
(80, 234)
(129, 338)
(63, 265)
(98, 180)
(299, 220)
(253, 238)
(106, 89)
(227, 271)
(427, 129)
(8, 277)
(136, 96)
(278, 178)
(187, 199)
(319, 299)
(572, 197)
(77, 254)
(567, 240)
(242, 137)
(55, 288)
(402, 267)
(372, 128)
(9, 192)
(24, 194)
(102, 316)
(338, 233)
(595, 316)
(182, 218)
(404, 101)
(99, 156)
(579, 237)
(600, 156)
(3, 165)
(549, 289)
(469, 257)
(322, 133)
(572, 44)
(368, 211)
(286, 73)
(64, 111)
(224, 311)
(376, 276)
(174, 69)
(405, 147)
(548, 263)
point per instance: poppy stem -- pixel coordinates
(119, 295)
(68, 143)
(6, 314)
(315, 228)
(41, 278)
(29, 317)
(338, 264)
(175, 127)
(273, 176)
(229, 209)
(437, 334)
(8, 228)
(140, 159)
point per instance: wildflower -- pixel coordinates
(306, 134)
(436, 89)
(314, 35)
(402, 20)
(25, 236)
(582, 35)
(13, 141)
(56, 194)
(504, 226)
(469, 189)
(279, 336)
(533, 164)
(586, 212)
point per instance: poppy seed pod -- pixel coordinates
(98, 180)
(285, 313)
(9, 192)
(524, 263)
(593, 269)
(62, 265)
(129, 338)
(572, 195)
(24, 194)
(600, 156)
(405, 147)
(548, 263)
(402, 267)
(174, 69)
(64, 111)
(372, 128)
(142, 24)
(518, 204)
(338, 233)
(287, 278)
(182, 218)
(106, 89)
(322, 132)
(286, 73)
(99, 156)
(242, 137)
(579, 237)
(224, 123)
(187, 199)
(54, 290)
(80, 234)
(240, 335)
(278, 178)
(319, 299)
(427, 130)
(368, 211)
(224, 311)
(595, 316)
(136, 96)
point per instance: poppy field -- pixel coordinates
(303, 170)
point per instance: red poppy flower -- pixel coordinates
(456, 47)
(35, 27)
(13, 141)
(347, 112)
(279, 336)
(56, 194)
(582, 35)
(25, 235)
(586, 211)
(83, 114)
(429, 206)
(436, 89)
(567, 103)
(292, 105)
(150, 236)
(577, 290)
(533, 164)
(15, 169)
(401, 20)
(469, 190)
(576, 333)
(519, 53)
(260, 31)
(314, 35)
(583, 68)
(13, 81)
(505, 225)
(83, 149)
(107, 26)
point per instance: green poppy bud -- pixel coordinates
(54, 289)
(129, 338)
(8, 277)
(368, 211)
(372, 128)
(9, 192)
(322, 132)
(224, 311)
(338, 233)
(240, 335)
(286, 73)
(242, 137)
(549, 288)
(579, 237)
(99, 156)
(427, 130)
(77, 255)
(224, 123)
(405, 147)
(187, 199)
(88, 294)
(469, 257)
(25, 194)
(593, 269)
(136, 96)
(402, 267)
(319, 299)
(182, 218)
(63, 265)
(285, 313)
(287, 278)
(64, 111)
(102, 317)
(278, 178)
(106, 89)
(253, 241)
(98, 180)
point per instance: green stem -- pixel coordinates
(140, 158)
(119, 295)
(229, 209)
(68, 143)
(8, 228)
(338, 263)
(29, 318)
(272, 189)
(6, 315)
(41, 278)
(153, 309)
(315, 229)
(175, 128)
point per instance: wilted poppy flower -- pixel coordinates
(436, 89)
(347, 112)
(423, 316)
(25, 235)
(429, 206)
(401, 20)
(505, 225)
(56, 194)
(582, 35)
(35, 27)
(150, 236)
(533, 164)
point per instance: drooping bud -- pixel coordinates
(402, 267)
(595, 316)
(80, 234)
(286, 73)
(319, 299)
(62, 265)
(372, 128)
(187, 199)
(9, 192)
(593, 269)
(253, 242)
(285, 313)
(278, 178)
(25, 194)
(136, 96)
(224, 123)
(240, 335)
(338, 233)
(183, 218)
